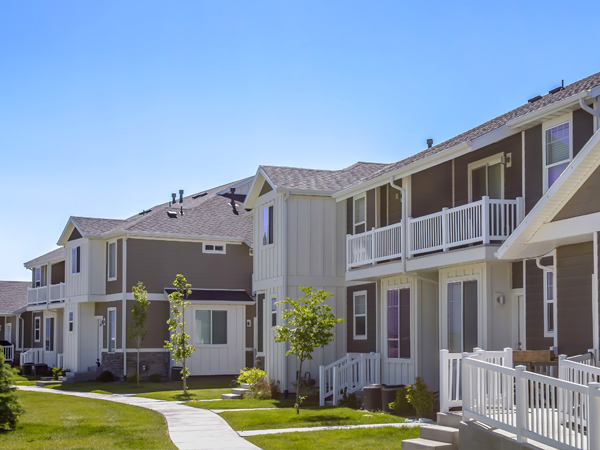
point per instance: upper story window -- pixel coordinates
(112, 261)
(486, 178)
(38, 276)
(267, 225)
(360, 214)
(360, 315)
(76, 259)
(213, 248)
(548, 303)
(558, 152)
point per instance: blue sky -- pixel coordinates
(108, 107)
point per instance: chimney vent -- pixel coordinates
(180, 195)
(429, 142)
(174, 195)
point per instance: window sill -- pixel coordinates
(265, 247)
(111, 279)
(360, 338)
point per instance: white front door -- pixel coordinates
(8, 333)
(50, 340)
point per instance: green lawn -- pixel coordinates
(62, 422)
(387, 438)
(251, 403)
(308, 417)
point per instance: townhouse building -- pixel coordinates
(14, 335)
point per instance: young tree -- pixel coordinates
(138, 325)
(178, 345)
(10, 408)
(308, 324)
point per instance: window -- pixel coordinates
(37, 329)
(548, 303)
(49, 334)
(360, 214)
(112, 261)
(76, 259)
(486, 178)
(267, 226)
(71, 321)
(462, 316)
(38, 276)
(398, 323)
(273, 312)
(211, 327)
(111, 332)
(360, 315)
(557, 152)
(213, 248)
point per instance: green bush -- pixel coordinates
(349, 400)
(401, 406)
(250, 375)
(420, 397)
(10, 407)
(106, 377)
(59, 372)
(155, 378)
(260, 390)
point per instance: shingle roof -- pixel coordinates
(204, 214)
(13, 296)
(56, 254)
(548, 99)
(320, 180)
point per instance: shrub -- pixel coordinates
(106, 377)
(59, 372)
(10, 407)
(250, 375)
(275, 391)
(155, 378)
(420, 397)
(133, 378)
(401, 406)
(261, 389)
(349, 400)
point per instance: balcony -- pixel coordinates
(39, 295)
(482, 222)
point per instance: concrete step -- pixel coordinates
(440, 433)
(239, 391)
(42, 383)
(230, 396)
(75, 377)
(426, 444)
(449, 419)
(245, 385)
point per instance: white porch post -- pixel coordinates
(444, 381)
(594, 416)
(521, 403)
(485, 212)
(335, 385)
(322, 385)
(445, 229)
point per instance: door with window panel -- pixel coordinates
(462, 320)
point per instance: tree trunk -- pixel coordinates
(183, 376)
(138, 366)
(298, 388)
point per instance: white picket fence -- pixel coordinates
(348, 374)
(552, 411)
(9, 352)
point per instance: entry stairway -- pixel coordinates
(443, 436)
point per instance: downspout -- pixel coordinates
(538, 262)
(124, 307)
(403, 237)
(588, 109)
(285, 278)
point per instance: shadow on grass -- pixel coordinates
(325, 419)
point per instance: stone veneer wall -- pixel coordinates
(155, 362)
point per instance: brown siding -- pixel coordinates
(58, 273)
(383, 204)
(517, 275)
(158, 333)
(370, 209)
(583, 128)
(395, 203)
(156, 263)
(431, 190)
(44, 275)
(585, 201)
(41, 343)
(369, 344)
(534, 300)
(575, 265)
(116, 286)
(266, 187)
(512, 175)
(533, 167)
(74, 235)
(349, 215)
(27, 323)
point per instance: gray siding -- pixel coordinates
(533, 167)
(575, 265)
(431, 190)
(534, 300)
(585, 201)
(116, 286)
(369, 344)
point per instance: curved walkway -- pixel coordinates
(189, 428)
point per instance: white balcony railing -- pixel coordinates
(39, 295)
(57, 292)
(483, 221)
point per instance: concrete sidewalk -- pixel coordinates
(189, 428)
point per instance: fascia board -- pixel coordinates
(492, 137)
(170, 237)
(314, 192)
(236, 185)
(253, 192)
(28, 264)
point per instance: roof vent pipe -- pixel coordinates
(429, 143)
(174, 196)
(180, 195)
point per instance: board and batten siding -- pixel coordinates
(268, 259)
(431, 190)
(77, 284)
(574, 269)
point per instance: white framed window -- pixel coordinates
(549, 312)
(111, 330)
(38, 276)
(49, 334)
(360, 214)
(111, 256)
(76, 260)
(8, 332)
(214, 248)
(558, 149)
(211, 327)
(273, 312)
(37, 329)
(267, 226)
(71, 321)
(486, 178)
(360, 314)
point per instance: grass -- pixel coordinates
(364, 439)
(64, 422)
(251, 403)
(198, 389)
(308, 417)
